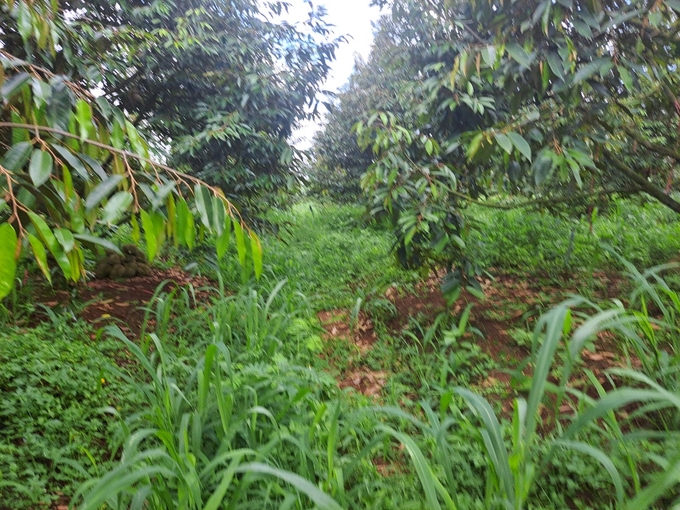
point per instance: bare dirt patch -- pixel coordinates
(427, 300)
(511, 304)
(365, 381)
(121, 301)
(338, 325)
(361, 334)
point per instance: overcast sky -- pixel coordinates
(351, 18)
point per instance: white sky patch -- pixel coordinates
(353, 19)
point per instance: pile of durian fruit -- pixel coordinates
(132, 263)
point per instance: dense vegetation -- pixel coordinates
(449, 307)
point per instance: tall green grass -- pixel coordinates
(520, 452)
(329, 253)
(233, 421)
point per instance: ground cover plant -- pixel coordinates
(171, 439)
(195, 316)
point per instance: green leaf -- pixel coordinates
(626, 77)
(473, 148)
(497, 452)
(171, 207)
(159, 227)
(8, 263)
(410, 233)
(519, 54)
(116, 206)
(13, 85)
(59, 107)
(65, 238)
(489, 55)
(49, 239)
(319, 498)
(94, 165)
(660, 485)
(117, 135)
(425, 474)
(583, 158)
(17, 156)
(429, 147)
(24, 21)
(190, 233)
(673, 4)
(101, 191)
(202, 198)
(604, 460)
(521, 144)
(149, 235)
(40, 255)
(504, 142)
(19, 134)
(72, 161)
(222, 242)
(216, 498)
(136, 235)
(182, 214)
(256, 250)
(583, 29)
(587, 70)
(104, 243)
(135, 140)
(240, 243)
(84, 117)
(218, 214)
(40, 168)
(556, 65)
(542, 168)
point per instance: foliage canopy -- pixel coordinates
(559, 101)
(216, 86)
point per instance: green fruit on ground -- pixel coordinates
(117, 271)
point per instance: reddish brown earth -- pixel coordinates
(361, 335)
(121, 302)
(510, 302)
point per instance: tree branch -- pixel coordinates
(644, 184)
(659, 149)
(181, 176)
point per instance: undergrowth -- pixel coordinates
(530, 242)
(230, 402)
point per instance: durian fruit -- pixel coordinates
(114, 259)
(133, 252)
(128, 265)
(143, 270)
(117, 271)
(102, 269)
(130, 270)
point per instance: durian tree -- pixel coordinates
(73, 164)
(552, 101)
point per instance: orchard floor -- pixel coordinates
(510, 306)
(509, 310)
